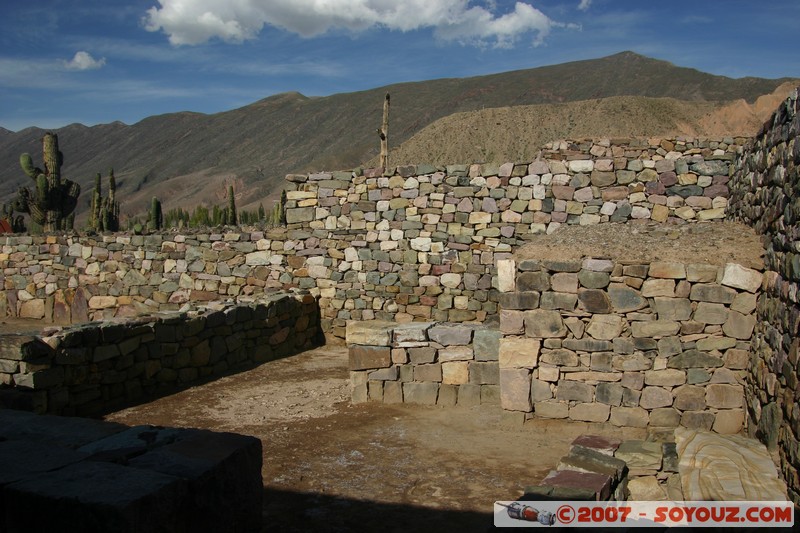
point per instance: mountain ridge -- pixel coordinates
(191, 157)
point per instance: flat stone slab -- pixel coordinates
(20, 458)
(583, 459)
(645, 488)
(640, 454)
(726, 468)
(90, 494)
(369, 333)
(62, 431)
(600, 484)
(60, 473)
(598, 443)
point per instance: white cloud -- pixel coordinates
(84, 61)
(197, 21)
(584, 5)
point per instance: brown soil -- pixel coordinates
(715, 243)
(333, 466)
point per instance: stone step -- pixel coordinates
(582, 459)
(599, 484)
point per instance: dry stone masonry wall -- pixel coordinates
(91, 368)
(419, 244)
(423, 363)
(658, 344)
(764, 190)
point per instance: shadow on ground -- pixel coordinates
(289, 511)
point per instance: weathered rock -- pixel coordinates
(519, 352)
(542, 323)
(515, 389)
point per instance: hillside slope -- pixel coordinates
(517, 133)
(189, 158)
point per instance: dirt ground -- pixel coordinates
(333, 466)
(714, 243)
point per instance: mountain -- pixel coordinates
(190, 158)
(517, 133)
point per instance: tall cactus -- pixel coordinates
(155, 219)
(53, 198)
(230, 213)
(104, 215)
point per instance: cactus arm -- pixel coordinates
(26, 162)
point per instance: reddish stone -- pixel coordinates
(606, 445)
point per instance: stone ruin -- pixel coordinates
(437, 280)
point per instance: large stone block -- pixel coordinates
(605, 327)
(653, 397)
(739, 326)
(632, 362)
(634, 417)
(456, 353)
(542, 323)
(551, 409)
(694, 359)
(540, 391)
(455, 372)
(589, 412)
(484, 373)
(568, 390)
(723, 396)
(667, 269)
(486, 344)
(673, 308)
(743, 278)
(451, 335)
(640, 455)
(655, 328)
(665, 378)
(95, 496)
(625, 299)
(658, 287)
(582, 459)
(515, 389)
(689, 398)
(729, 421)
(713, 293)
(370, 332)
(609, 393)
(519, 352)
(599, 484)
(506, 275)
(595, 301)
(710, 313)
(420, 393)
(369, 357)
(430, 372)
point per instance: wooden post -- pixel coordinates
(384, 134)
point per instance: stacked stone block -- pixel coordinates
(657, 344)
(423, 363)
(764, 192)
(91, 368)
(419, 243)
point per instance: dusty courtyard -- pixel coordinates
(333, 466)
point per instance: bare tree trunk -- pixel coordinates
(384, 134)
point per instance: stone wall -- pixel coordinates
(419, 244)
(423, 363)
(765, 190)
(637, 344)
(96, 367)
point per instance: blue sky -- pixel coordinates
(97, 61)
